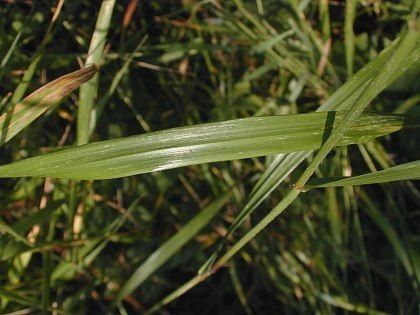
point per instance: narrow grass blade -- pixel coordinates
(10, 51)
(342, 303)
(9, 247)
(9, 230)
(29, 73)
(89, 90)
(238, 287)
(13, 296)
(409, 258)
(178, 292)
(46, 281)
(324, 15)
(38, 102)
(229, 140)
(406, 171)
(39, 217)
(269, 43)
(349, 35)
(117, 78)
(352, 89)
(172, 246)
(90, 251)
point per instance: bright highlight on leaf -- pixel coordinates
(222, 141)
(38, 102)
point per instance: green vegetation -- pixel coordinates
(238, 156)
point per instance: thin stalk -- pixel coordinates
(349, 35)
(46, 281)
(47, 268)
(72, 204)
(281, 206)
(324, 13)
(88, 91)
(87, 94)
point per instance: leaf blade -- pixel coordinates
(38, 102)
(229, 140)
(406, 171)
(172, 245)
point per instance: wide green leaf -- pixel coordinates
(228, 140)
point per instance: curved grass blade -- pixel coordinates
(222, 141)
(406, 171)
(172, 246)
(38, 102)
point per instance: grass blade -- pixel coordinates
(117, 78)
(13, 296)
(39, 217)
(349, 35)
(89, 90)
(4, 228)
(29, 73)
(46, 281)
(342, 303)
(89, 252)
(324, 16)
(229, 140)
(408, 257)
(172, 246)
(38, 102)
(406, 171)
